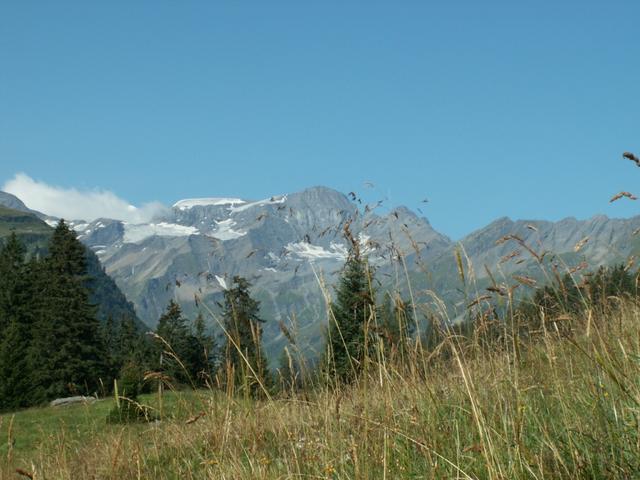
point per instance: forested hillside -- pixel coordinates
(34, 233)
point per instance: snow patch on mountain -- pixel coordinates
(78, 227)
(224, 230)
(261, 203)
(337, 251)
(222, 282)
(135, 233)
(188, 203)
(273, 257)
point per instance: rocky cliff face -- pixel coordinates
(604, 240)
(286, 245)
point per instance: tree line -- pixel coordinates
(53, 345)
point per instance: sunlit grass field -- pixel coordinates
(556, 406)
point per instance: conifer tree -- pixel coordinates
(67, 353)
(245, 364)
(185, 360)
(349, 336)
(16, 318)
(126, 343)
(132, 345)
(205, 357)
(172, 327)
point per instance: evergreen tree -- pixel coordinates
(173, 329)
(108, 332)
(126, 343)
(12, 271)
(16, 318)
(205, 359)
(245, 364)
(349, 338)
(132, 344)
(185, 360)
(67, 353)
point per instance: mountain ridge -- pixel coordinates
(290, 245)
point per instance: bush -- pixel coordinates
(127, 408)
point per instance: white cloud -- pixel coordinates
(73, 204)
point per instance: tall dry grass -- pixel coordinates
(560, 407)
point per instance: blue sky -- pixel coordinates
(485, 108)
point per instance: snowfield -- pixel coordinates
(261, 203)
(134, 233)
(188, 203)
(224, 230)
(337, 251)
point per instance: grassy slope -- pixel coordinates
(30, 229)
(551, 409)
(23, 223)
(36, 429)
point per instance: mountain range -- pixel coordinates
(291, 247)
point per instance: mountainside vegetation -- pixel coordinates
(53, 344)
(35, 234)
(49, 332)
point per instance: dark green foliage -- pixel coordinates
(105, 294)
(350, 337)
(16, 318)
(126, 343)
(184, 357)
(67, 354)
(172, 328)
(245, 365)
(206, 353)
(129, 385)
(51, 342)
(35, 234)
